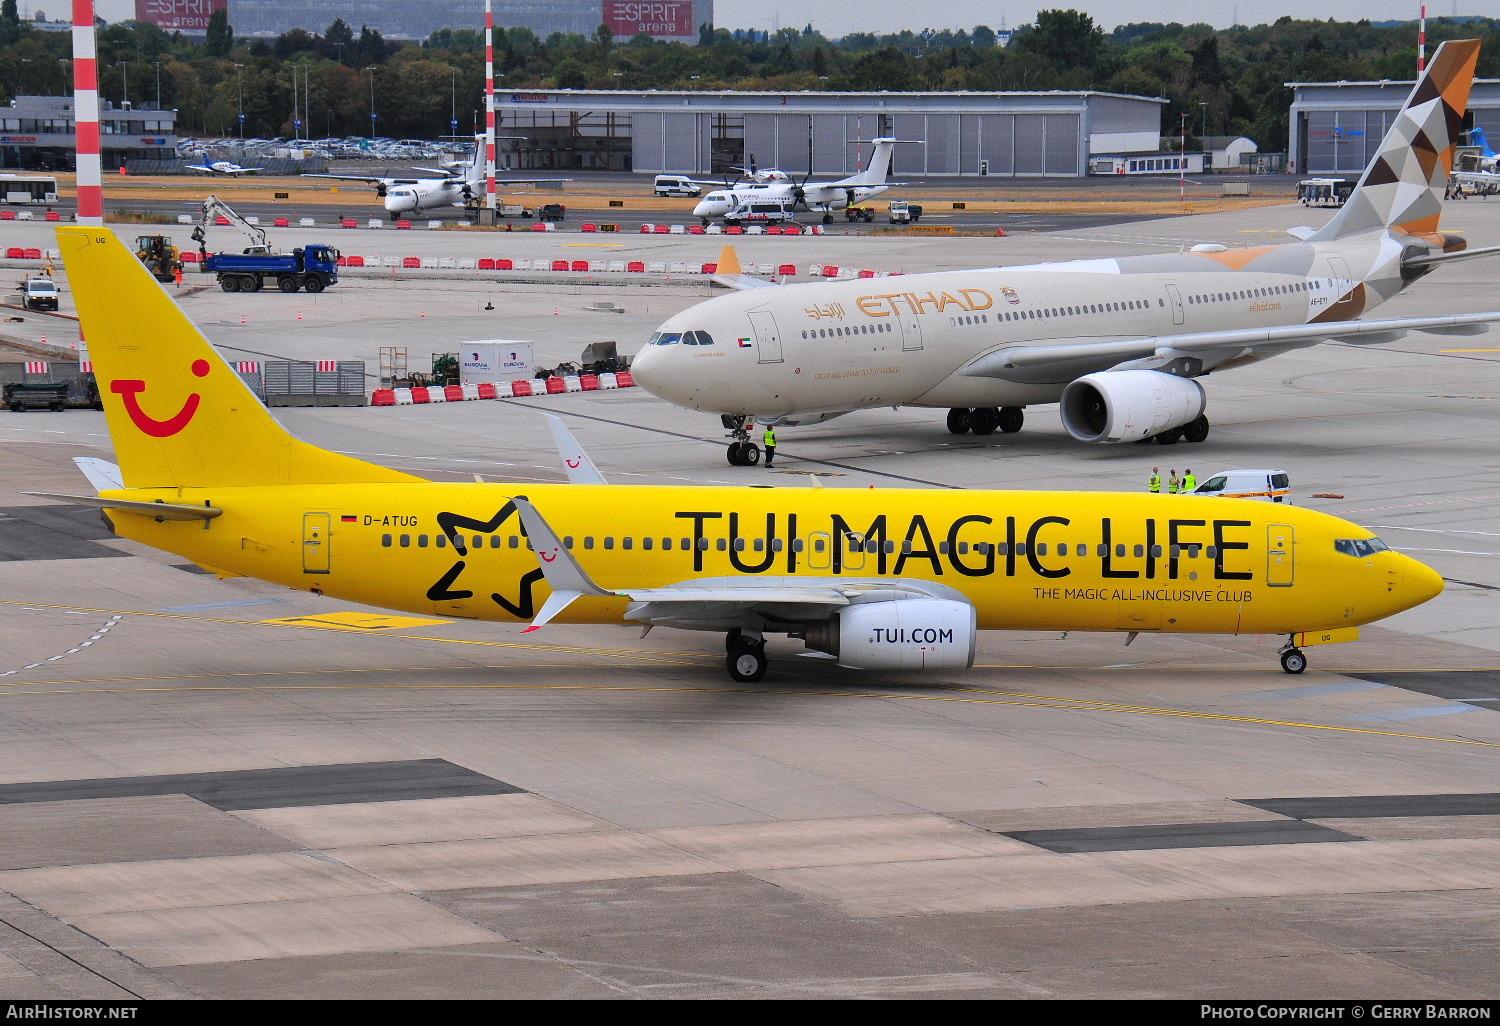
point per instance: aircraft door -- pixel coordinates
(1175, 298)
(819, 552)
(1281, 554)
(853, 555)
(911, 332)
(767, 338)
(316, 527)
(1343, 284)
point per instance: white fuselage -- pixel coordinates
(822, 348)
(821, 198)
(424, 194)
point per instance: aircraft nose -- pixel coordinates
(702, 209)
(1419, 582)
(657, 372)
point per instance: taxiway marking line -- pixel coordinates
(1072, 705)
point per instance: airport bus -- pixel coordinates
(29, 189)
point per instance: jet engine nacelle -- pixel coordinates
(905, 634)
(1128, 405)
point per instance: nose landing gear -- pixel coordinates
(1293, 659)
(741, 452)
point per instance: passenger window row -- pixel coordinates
(1229, 297)
(609, 542)
(847, 330)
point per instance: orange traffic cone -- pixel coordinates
(242, 319)
(299, 315)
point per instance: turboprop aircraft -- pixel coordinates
(1120, 343)
(780, 191)
(463, 186)
(223, 167)
(896, 580)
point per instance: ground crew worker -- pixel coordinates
(1154, 482)
(1174, 483)
(1189, 482)
(770, 443)
(177, 273)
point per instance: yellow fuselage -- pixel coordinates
(1026, 560)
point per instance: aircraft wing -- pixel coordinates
(1063, 362)
(699, 601)
(155, 510)
(246, 170)
(198, 167)
(743, 281)
(372, 179)
(1477, 178)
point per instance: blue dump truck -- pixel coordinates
(312, 268)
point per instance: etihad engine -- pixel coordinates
(905, 634)
(1128, 405)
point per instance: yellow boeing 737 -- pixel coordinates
(894, 580)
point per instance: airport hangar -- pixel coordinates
(1338, 126)
(1051, 134)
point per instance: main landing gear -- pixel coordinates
(742, 452)
(1192, 431)
(985, 419)
(745, 655)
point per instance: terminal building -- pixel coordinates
(1051, 134)
(1336, 127)
(36, 133)
(417, 19)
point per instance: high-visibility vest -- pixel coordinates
(770, 438)
(1155, 483)
(1174, 485)
(1189, 482)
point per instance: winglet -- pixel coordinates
(102, 474)
(580, 468)
(567, 579)
(729, 261)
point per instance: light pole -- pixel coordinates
(125, 84)
(158, 84)
(239, 79)
(296, 109)
(1206, 149)
(371, 70)
(453, 101)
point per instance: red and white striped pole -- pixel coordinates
(489, 110)
(1422, 42)
(86, 115)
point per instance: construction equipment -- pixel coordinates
(214, 210)
(161, 258)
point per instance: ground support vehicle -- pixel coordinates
(859, 213)
(51, 395)
(903, 212)
(551, 212)
(39, 294)
(311, 268)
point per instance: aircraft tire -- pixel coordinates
(286, 283)
(828, 219)
(959, 421)
(1011, 419)
(1293, 660)
(984, 420)
(746, 662)
(733, 454)
(749, 454)
(1169, 436)
(1195, 430)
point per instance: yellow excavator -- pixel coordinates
(161, 258)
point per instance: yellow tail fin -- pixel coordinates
(179, 415)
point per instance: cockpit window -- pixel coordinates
(665, 338)
(1214, 484)
(697, 338)
(1360, 546)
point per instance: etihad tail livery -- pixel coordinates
(897, 580)
(1119, 343)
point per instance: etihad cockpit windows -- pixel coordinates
(665, 338)
(697, 338)
(1360, 547)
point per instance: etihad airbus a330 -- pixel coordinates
(897, 580)
(1120, 344)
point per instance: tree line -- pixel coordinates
(1217, 81)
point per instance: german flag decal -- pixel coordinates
(347, 519)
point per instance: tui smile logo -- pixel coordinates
(128, 390)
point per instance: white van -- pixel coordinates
(676, 185)
(1266, 485)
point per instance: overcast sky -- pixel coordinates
(894, 15)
